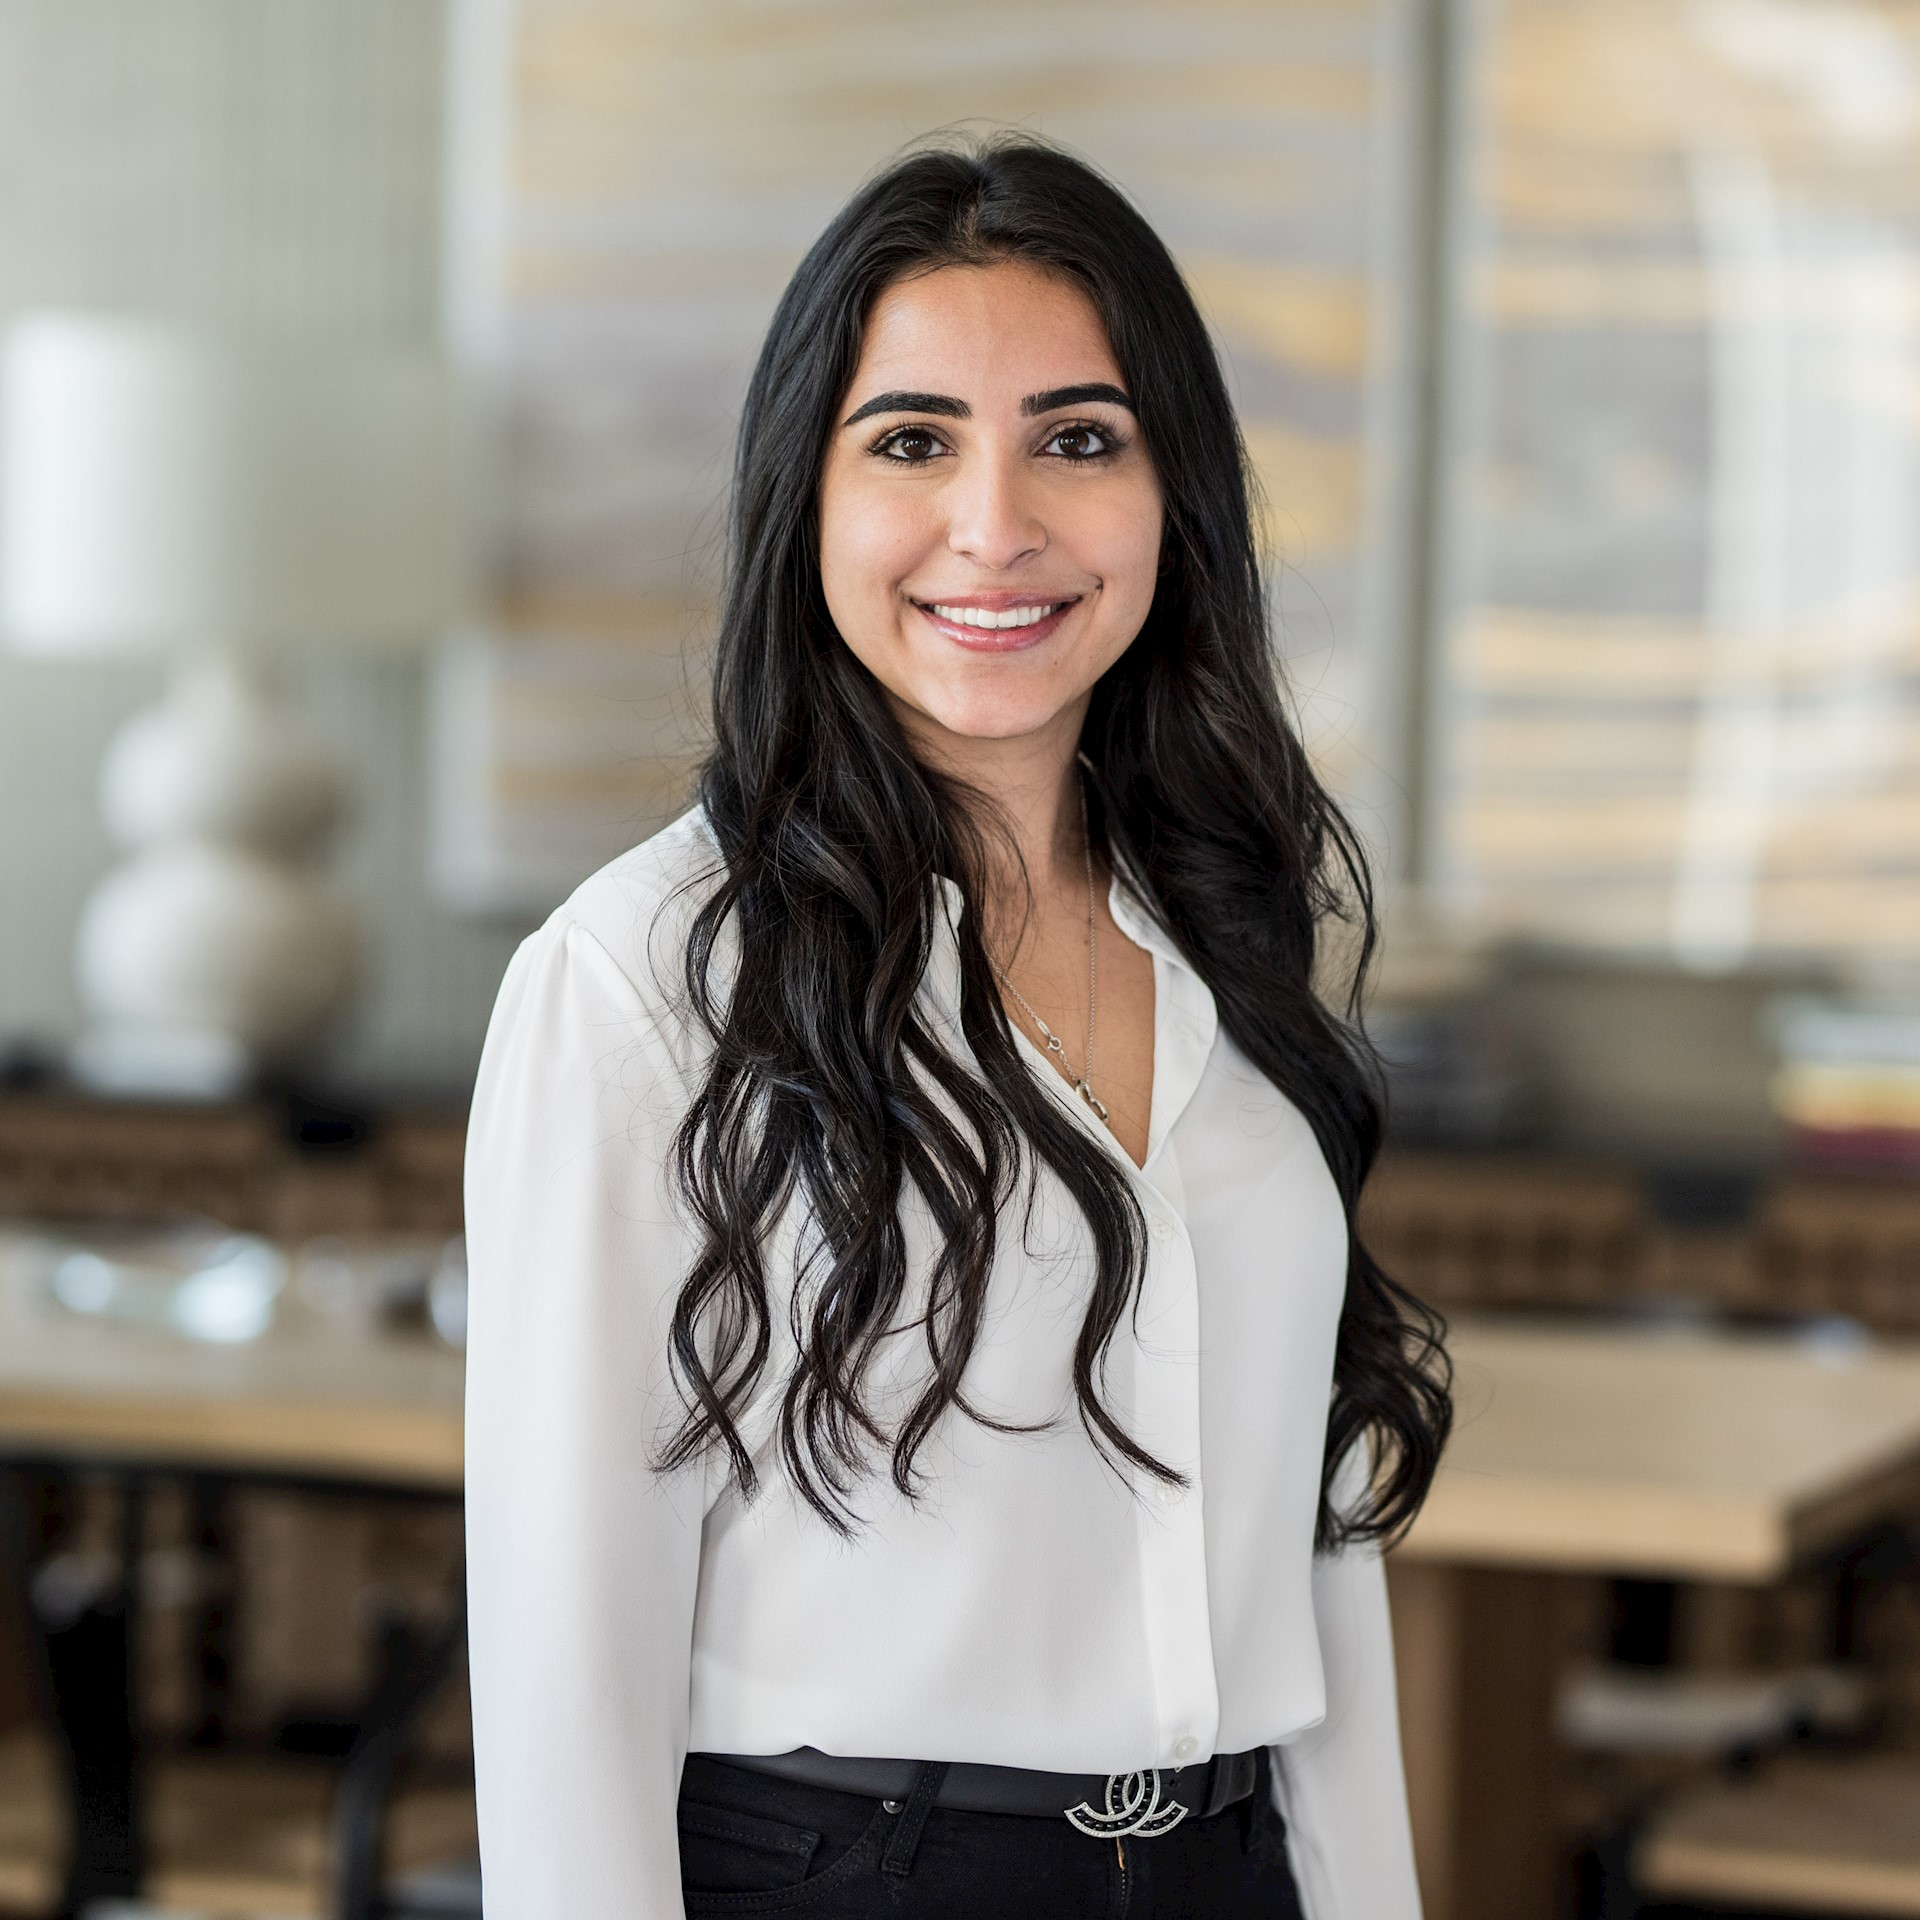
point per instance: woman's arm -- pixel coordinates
(1340, 1784)
(582, 1562)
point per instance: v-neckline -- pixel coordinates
(1185, 1020)
(1081, 1111)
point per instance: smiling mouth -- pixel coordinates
(998, 620)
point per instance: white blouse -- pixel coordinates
(1033, 1609)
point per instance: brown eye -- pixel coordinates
(911, 446)
(1080, 442)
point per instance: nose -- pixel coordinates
(994, 519)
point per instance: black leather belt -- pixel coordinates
(1108, 1805)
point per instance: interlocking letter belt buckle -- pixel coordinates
(1134, 1806)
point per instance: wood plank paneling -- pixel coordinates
(1688, 491)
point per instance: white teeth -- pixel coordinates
(1013, 617)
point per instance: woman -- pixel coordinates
(931, 1425)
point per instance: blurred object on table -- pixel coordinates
(289, 1169)
(1848, 1084)
(1614, 1708)
(1454, 1076)
(221, 497)
(385, 1282)
(367, 1397)
(1522, 1229)
(191, 1277)
(27, 1064)
(447, 1293)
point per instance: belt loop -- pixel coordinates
(898, 1858)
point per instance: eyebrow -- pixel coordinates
(943, 404)
(1056, 397)
(948, 408)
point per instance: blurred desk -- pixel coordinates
(1582, 1448)
(1695, 1453)
(307, 1404)
(302, 1402)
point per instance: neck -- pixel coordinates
(1032, 784)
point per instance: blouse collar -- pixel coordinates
(1186, 1020)
(1185, 1025)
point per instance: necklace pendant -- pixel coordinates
(1092, 1099)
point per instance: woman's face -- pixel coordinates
(989, 518)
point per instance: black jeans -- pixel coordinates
(753, 1844)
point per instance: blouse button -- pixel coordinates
(1161, 1227)
(1185, 1747)
(1170, 1495)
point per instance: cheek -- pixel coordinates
(869, 542)
(1122, 545)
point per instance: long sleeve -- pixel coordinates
(1340, 1783)
(583, 1561)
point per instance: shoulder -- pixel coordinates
(606, 973)
(592, 1053)
(639, 909)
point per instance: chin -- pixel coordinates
(992, 716)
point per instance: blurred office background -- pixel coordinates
(1577, 344)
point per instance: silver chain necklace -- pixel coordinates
(1055, 1045)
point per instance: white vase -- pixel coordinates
(219, 947)
(219, 757)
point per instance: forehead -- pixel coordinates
(977, 333)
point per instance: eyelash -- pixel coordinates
(1112, 442)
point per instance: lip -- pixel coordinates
(997, 640)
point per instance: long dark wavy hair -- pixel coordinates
(829, 1090)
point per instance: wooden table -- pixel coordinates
(310, 1403)
(1683, 1453)
(306, 1400)
(1581, 1449)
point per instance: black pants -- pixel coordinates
(752, 1844)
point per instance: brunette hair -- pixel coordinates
(827, 1087)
